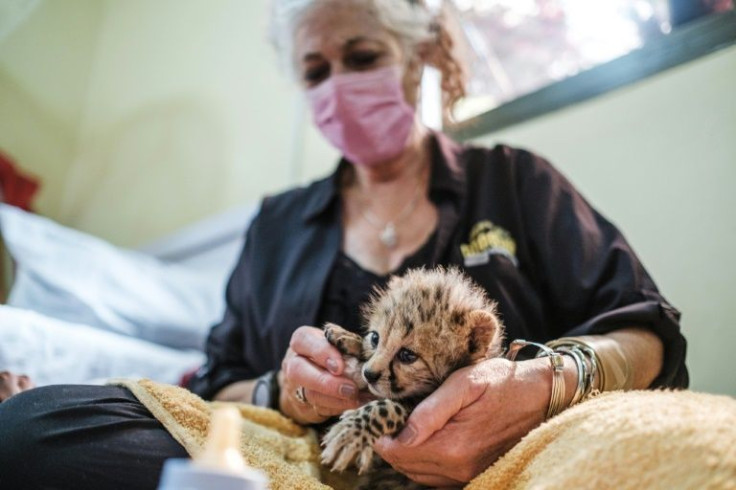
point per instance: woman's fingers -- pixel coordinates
(319, 385)
(12, 384)
(25, 383)
(315, 406)
(312, 388)
(310, 342)
(329, 405)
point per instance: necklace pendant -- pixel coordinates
(388, 235)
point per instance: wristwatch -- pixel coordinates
(266, 391)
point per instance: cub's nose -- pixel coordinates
(371, 376)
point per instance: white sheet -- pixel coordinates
(63, 273)
(83, 310)
(52, 351)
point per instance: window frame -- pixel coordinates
(685, 43)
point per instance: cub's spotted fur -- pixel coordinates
(422, 327)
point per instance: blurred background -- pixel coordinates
(138, 117)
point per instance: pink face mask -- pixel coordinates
(364, 114)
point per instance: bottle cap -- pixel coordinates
(220, 466)
(182, 474)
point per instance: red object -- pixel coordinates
(16, 187)
(184, 380)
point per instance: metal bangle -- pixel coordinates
(597, 376)
(557, 397)
(593, 382)
(582, 368)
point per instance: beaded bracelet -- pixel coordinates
(557, 398)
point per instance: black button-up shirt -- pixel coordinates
(511, 221)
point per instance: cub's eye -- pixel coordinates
(405, 356)
(373, 337)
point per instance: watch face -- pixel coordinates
(262, 394)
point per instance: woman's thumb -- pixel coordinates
(431, 415)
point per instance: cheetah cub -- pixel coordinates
(418, 330)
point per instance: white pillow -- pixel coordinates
(51, 351)
(65, 274)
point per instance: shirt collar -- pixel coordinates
(448, 170)
(448, 175)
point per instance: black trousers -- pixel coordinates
(81, 437)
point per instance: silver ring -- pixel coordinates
(301, 395)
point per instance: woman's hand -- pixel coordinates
(314, 364)
(12, 384)
(472, 419)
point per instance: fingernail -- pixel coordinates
(407, 435)
(347, 390)
(381, 443)
(332, 366)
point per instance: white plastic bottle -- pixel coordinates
(220, 466)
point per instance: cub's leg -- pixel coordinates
(350, 346)
(351, 439)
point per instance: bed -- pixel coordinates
(81, 310)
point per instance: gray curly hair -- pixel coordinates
(411, 21)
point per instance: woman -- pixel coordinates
(403, 197)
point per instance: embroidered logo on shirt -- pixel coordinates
(487, 239)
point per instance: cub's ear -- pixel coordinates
(484, 328)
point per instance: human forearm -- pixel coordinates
(629, 358)
(642, 351)
(626, 359)
(240, 391)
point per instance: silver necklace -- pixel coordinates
(387, 230)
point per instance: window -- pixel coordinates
(517, 48)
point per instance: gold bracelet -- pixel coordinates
(557, 397)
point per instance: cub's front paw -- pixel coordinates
(348, 441)
(352, 438)
(348, 343)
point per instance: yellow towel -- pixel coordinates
(287, 452)
(634, 440)
(645, 439)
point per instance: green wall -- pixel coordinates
(142, 116)
(45, 67)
